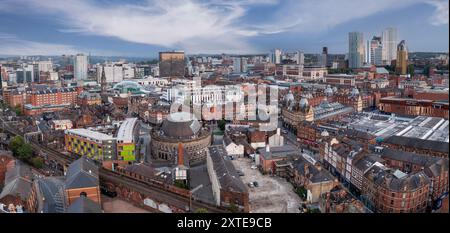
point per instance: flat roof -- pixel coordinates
(125, 132)
(90, 134)
(383, 126)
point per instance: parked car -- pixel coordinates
(253, 167)
(255, 183)
(240, 173)
(251, 185)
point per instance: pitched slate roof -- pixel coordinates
(317, 175)
(81, 173)
(387, 178)
(51, 192)
(84, 205)
(419, 143)
(226, 173)
(18, 181)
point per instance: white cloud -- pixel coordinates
(440, 16)
(208, 25)
(174, 24)
(12, 45)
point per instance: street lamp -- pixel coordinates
(190, 195)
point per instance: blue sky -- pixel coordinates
(144, 27)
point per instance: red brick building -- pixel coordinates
(414, 107)
(389, 191)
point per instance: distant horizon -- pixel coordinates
(197, 54)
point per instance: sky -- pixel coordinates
(142, 28)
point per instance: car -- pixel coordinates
(253, 167)
(251, 185)
(255, 183)
(285, 131)
(240, 173)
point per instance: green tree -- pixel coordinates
(180, 184)
(221, 124)
(233, 208)
(15, 143)
(201, 210)
(18, 111)
(37, 162)
(25, 152)
(301, 192)
(411, 70)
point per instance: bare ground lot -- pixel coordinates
(274, 194)
(116, 205)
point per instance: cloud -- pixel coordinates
(181, 24)
(12, 45)
(440, 16)
(208, 25)
(316, 16)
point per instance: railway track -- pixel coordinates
(164, 196)
(137, 185)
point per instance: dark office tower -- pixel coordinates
(324, 61)
(171, 64)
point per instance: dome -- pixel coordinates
(129, 86)
(355, 92)
(325, 134)
(303, 103)
(328, 91)
(180, 125)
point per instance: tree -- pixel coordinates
(221, 124)
(233, 208)
(37, 162)
(180, 184)
(25, 152)
(18, 110)
(411, 70)
(15, 143)
(201, 210)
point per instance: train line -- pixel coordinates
(140, 186)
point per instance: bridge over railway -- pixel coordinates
(137, 191)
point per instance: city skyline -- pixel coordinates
(142, 28)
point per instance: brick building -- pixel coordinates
(227, 186)
(417, 145)
(392, 191)
(414, 107)
(82, 180)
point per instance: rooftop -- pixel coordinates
(125, 133)
(90, 134)
(383, 126)
(226, 173)
(81, 173)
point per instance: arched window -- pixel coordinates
(83, 194)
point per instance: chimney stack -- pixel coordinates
(306, 168)
(267, 148)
